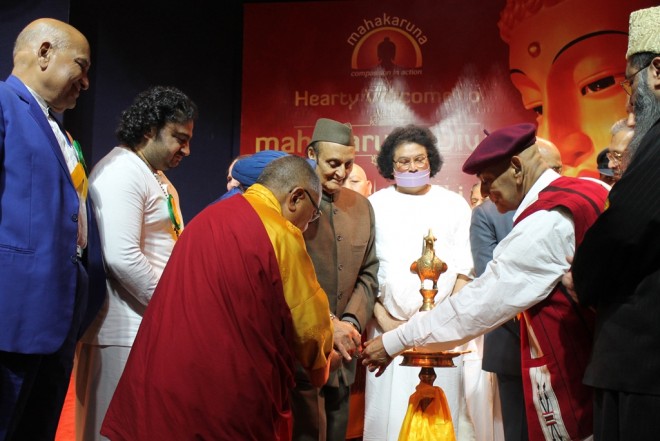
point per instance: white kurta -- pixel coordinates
(137, 239)
(402, 221)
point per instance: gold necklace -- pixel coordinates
(141, 156)
(174, 219)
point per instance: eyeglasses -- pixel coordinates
(317, 210)
(405, 163)
(614, 156)
(627, 83)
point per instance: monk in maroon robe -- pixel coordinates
(237, 304)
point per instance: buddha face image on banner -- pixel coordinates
(567, 58)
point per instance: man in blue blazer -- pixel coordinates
(51, 274)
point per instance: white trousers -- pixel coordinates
(97, 375)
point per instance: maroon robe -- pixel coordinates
(556, 400)
(213, 358)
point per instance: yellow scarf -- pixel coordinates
(428, 417)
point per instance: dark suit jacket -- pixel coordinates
(617, 270)
(342, 246)
(502, 345)
(38, 231)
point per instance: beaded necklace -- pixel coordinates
(176, 224)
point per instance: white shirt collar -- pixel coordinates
(42, 102)
(532, 195)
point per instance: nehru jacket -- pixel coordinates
(341, 244)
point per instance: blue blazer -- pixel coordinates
(38, 232)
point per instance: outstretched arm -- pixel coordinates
(527, 269)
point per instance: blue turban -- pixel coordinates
(247, 170)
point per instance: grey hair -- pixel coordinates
(285, 173)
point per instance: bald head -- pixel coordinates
(549, 153)
(357, 181)
(52, 58)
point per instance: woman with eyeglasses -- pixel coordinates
(405, 211)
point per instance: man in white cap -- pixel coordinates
(565, 60)
(617, 267)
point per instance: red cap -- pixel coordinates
(499, 145)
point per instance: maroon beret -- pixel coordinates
(499, 145)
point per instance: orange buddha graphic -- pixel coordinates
(567, 58)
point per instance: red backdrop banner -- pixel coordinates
(459, 67)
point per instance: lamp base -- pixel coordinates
(418, 358)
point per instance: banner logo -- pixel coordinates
(386, 45)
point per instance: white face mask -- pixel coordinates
(416, 179)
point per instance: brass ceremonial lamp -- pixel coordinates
(428, 267)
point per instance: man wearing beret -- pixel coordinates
(617, 266)
(552, 213)
(341, 244)
(553, 48)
